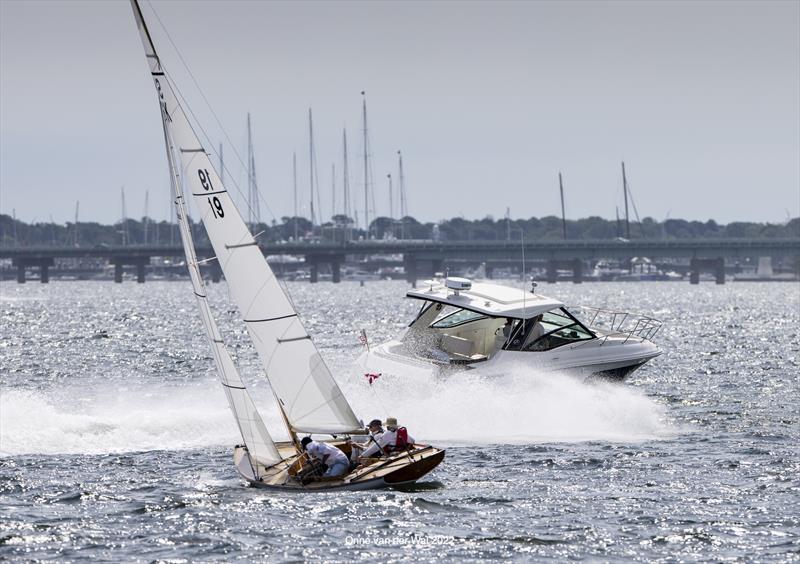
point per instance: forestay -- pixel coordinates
(309, 396)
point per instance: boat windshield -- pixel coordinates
(554, 329)
(450, 318)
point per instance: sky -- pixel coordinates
(488, 102)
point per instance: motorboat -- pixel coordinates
(465, 325)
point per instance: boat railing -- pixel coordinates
(621, 322)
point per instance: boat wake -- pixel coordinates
(68, 421)
(519, 407)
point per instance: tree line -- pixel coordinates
(147, 231)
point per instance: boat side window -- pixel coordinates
(458, 317)
(560, 328)
(556, 328)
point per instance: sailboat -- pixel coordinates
(309, 399)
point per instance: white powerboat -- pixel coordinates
(463, 325)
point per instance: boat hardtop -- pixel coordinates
(492, 300)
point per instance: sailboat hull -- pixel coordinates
(399, 469)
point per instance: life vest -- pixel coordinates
(401, 441)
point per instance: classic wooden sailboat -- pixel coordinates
(308, 397)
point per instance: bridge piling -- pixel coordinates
(716, 265)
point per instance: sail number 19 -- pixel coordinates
(214, 203)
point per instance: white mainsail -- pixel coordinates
(302, 383)
(259, 443)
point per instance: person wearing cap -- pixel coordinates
(375, 429)
(336, 461)
(388, 440)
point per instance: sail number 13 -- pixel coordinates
(214, 203)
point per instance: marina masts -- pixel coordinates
(345, 176)
(254, 211)
(625, 191)
(294, 177)
(563, 214)
(366, 167)
(311, 164)
(403, 210)
(391, 198)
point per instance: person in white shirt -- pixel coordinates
(375, 429)
(388, 440)
(336, 461)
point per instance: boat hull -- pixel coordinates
(613, 359)
(399, 469)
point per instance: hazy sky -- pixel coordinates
(487, 100)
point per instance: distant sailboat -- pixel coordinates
(308, 397)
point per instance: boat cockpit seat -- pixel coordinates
(457, 345)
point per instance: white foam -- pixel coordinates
(521, 406)
(71, 421)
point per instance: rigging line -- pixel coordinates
(635, 211)
(211, 109)
(185, 103)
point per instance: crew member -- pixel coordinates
(332, 457)
(375, 429)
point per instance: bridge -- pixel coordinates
(424, 257)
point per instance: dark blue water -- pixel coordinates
(116, 439)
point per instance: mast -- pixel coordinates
(254, 209)
(403, 210)
(345, 176)
(294, 176)
(178, 140)
(625, 191)
(311, 164)
(145, 220)
(333, 187)
(366, 167)
(77, 207)
(563, 215)
(391, 197)
(296, 371)
(124, 220)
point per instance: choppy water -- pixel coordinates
(116, 439)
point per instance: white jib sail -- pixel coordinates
(255, 435)
(302, 383)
